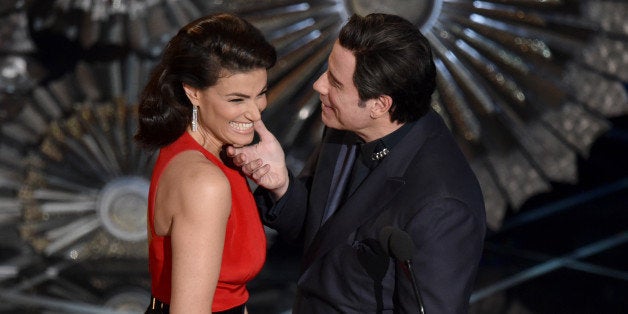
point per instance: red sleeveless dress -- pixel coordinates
(245, 241)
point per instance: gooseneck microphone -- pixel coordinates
(398, 244)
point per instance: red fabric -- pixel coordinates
(245, 241)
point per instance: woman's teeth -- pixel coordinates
(241, 126)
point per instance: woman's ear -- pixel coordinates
(381, 106)
(191, 92)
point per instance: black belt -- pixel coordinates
(158, 307)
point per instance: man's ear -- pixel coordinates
(381, 106)
(191, 92)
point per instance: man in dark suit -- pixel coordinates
(386, 161)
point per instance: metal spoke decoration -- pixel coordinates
(525, 85)
(86, 179)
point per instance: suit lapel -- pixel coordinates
(371, 197)
(367, 201)
(322, 186)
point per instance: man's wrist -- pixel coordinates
(278, 193)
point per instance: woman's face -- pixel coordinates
(228, 109)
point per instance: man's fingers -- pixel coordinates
(260, 172)
(253, 166)
(231, 151)
(239, 159)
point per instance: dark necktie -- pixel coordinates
(364, 164)
(342, 170)
(358, 173)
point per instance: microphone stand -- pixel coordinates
(398, 244)
(415, 286)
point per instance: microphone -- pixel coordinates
(398, 244)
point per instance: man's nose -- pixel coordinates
(321, 84)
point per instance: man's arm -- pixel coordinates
(281, 198)
(448, 238)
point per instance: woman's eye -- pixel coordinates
(236, 100)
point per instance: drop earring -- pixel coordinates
(194, 118)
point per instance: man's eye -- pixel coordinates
(333, 81)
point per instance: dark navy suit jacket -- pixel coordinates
(425, 187)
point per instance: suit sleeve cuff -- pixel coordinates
(270, 208)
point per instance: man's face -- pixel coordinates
(340, 102)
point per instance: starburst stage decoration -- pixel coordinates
(526, 86)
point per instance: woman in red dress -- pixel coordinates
(206, 240)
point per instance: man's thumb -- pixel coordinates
(262, 131)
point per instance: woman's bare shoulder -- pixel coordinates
(192, 167)
(190, 176)
(188, 185)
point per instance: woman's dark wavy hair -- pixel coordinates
(392, 58)
(196, 56)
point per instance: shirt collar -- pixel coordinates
(388, 142)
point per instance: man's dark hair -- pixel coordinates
(392, 58)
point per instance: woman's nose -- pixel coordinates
(254, 110)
